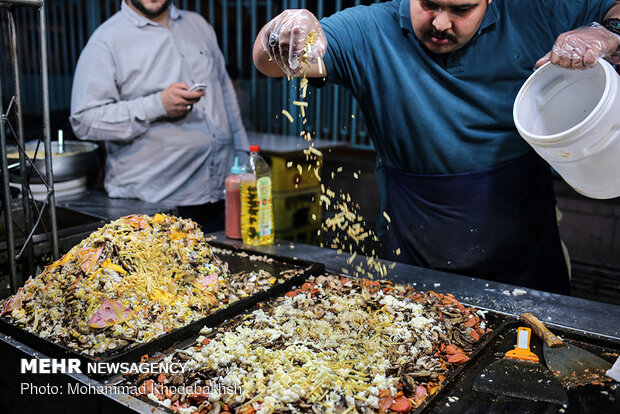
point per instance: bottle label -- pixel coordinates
(265, 218)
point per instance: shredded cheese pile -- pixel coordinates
(334, 359)
(133, 280)
(335, 345)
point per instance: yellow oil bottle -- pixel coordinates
(256, 201)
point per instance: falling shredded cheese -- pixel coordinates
(347, 220)
(350, 259)
(317, 175)
(315, 151)
(288, 115)
(387, 217)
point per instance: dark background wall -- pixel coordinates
(589, 228)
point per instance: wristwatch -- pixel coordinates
(613, 25)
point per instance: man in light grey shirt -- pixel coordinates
(131, 90)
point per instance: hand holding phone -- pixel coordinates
(199, 87)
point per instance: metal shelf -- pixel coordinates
(26, 164)
(28, 3)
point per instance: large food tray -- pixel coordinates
(457, 394)
(238, 260)
(492, 319)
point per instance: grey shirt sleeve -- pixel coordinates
(231, 104)
(97, 111)
(232, 108)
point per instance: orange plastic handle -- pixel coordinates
(522, 350)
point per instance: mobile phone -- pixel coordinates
(199, 87)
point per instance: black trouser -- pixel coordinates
(210, 216)
(497, 224)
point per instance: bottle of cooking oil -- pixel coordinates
(256, 204)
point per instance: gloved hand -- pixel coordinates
(293, 37)
(579, 48)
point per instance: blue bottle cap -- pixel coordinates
(236, 168)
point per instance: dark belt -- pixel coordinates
(497, 224)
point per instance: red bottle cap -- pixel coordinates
(254, 148)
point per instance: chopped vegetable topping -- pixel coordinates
(335, 345)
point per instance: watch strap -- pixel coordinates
(613, 25)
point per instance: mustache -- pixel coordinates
(440, 35)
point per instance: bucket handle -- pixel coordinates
(550, 90)
(603, 142)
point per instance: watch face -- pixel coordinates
(613, 25)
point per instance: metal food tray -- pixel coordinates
(595, 399)
(459, 381)
(133, 353)
(496, 321)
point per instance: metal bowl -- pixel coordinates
(74, 161)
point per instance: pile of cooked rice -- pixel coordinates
(130, 281)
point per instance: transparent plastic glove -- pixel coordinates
(614, 372)
(293, 37)
(579, 48)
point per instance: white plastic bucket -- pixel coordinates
(572, 119)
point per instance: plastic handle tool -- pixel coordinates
(522, 350)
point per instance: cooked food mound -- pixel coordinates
(335, 345)
(130, 281)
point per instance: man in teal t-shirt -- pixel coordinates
(436, 81)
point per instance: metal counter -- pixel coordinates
(592, 318)
(598, 320)
(97, 203)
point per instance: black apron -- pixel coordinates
(497, 224)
